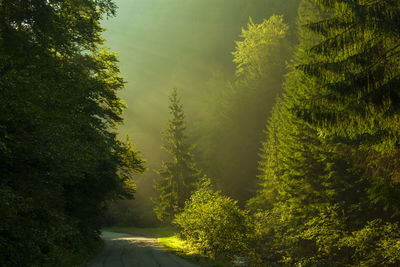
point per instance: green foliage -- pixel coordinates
(259, 43)
(356, 64)
(320, 192)
(213, 224)
(271, 239)
(179, 175)
(59, 154)
(376, 244)
(129, 164)
(128, 212)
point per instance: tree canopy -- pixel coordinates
(60, 156)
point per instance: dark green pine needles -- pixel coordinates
(179, 174)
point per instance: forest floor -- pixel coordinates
(135, 250)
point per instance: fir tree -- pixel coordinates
(179, 175)
(357, 64)
(314, 191)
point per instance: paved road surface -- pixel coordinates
(123, 250)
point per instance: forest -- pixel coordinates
(256, 130)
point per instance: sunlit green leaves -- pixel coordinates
(212, 223)
(259, 41)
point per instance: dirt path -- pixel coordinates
(123, 250)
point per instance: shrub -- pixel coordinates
(213, 224)
(271, 237)
(376, 244)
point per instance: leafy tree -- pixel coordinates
(179, 175)
(252, 55)
(60, 156)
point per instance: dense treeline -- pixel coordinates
(60, 159)
(336, 206)
(329, 185)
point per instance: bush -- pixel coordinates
(212, 224)
(271, 237)
(376, 244)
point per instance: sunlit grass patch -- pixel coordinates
(174, 243)
(181, 248)
(165, 231)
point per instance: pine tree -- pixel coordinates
(357, 65)
(321, 194)
(179, 175)
(312, 192)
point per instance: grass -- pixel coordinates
(173, 243)
(168, 237)
(165, 231)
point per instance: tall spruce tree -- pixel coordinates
(179, 175)
(357, 64)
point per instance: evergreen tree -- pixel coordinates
(357, 65)
(317, 196)
(179, 175)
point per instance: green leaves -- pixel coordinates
(213, 224)
(60, 157)
(259, 41)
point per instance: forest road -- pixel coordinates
(124, 250)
